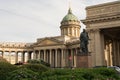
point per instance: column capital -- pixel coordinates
(93, 30)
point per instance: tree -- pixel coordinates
(5, 68)
(22, 74)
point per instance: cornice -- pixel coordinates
(101, 19)
(103, 4)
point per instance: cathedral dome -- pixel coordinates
(70, 16)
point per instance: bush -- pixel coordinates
(56, 74)
(106, 73)
(79, 74)
(5, 68)
(36, 67)
(34, 61)
(88, 75)
(22, 74)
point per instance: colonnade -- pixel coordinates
(116, 53)
(16, 59)
(58, 58)
(112, 52)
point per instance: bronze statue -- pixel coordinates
(84, 42)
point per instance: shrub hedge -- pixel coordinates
(80, 74)
(35, 67)
(41, 72)
(34, 61)
(22, 74)
(5, 68)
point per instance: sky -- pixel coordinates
(27, 20)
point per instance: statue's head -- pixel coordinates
(83, 30)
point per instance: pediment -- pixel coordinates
(49, 42)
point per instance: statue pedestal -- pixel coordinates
(83, 60)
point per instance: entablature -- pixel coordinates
(102, 10)
(97, 20)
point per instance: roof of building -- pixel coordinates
(70, 16)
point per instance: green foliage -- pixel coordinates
(34, 61)
(36, 67)
(5, 68)
(79, 74)
(41, 72)
(60, 74)
(22, 74)
(88, 75)
(56, 72)
(106, 73)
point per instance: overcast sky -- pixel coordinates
(27, 20)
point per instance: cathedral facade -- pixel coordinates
(103, 26)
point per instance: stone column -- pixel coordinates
(38, 54)
(34, 55)
(75, 54)
(56, 58)
(118, 54)
(72, 31)
(16, 57)
(70, 58)
(67, 60)
(108, 53)
(59, 58)
(111, 64)
(50, 53)
(29, 55)
(44, 55)
(68, 31)
(52, 58)
(23, 57)
(72, 54)
(47, 56)
(62, 60)
(75, 31)
(114, 52)
(99, 48)
(9, 56)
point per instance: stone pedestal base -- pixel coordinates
(83, 61)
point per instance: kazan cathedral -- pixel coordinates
(103, 27)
